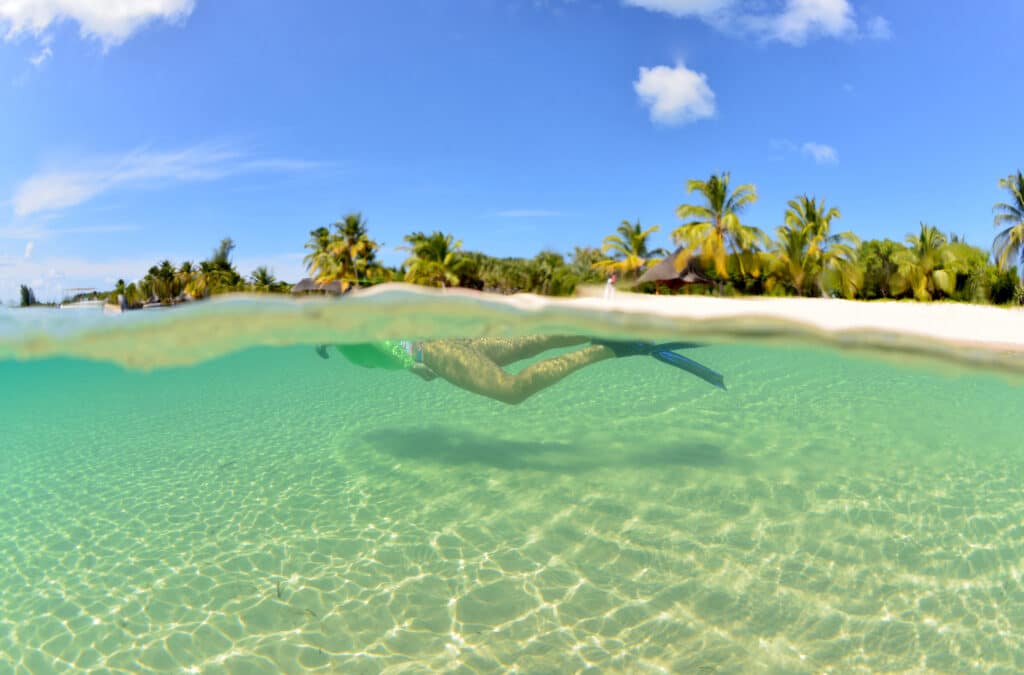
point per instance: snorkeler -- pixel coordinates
(477, 364)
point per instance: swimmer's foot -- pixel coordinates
(666, 354)
(321, 351)
(638, 348)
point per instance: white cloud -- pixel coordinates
(41, 57)
(675, 95)
(791, 21)
(528, 213)
(36, 232)
(822, 154)
(682, 8)
(802, 19)
(878, 28)
(61, 188)
(28, 249)
(109, 21)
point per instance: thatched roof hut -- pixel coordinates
(678, 269)
(308, 285)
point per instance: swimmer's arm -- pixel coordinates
(423, 372)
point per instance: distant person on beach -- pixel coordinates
(477, 364)
(609, 287)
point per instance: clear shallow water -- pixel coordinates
(267, 511)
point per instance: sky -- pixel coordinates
(138, 130)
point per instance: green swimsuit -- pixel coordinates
(387, 354)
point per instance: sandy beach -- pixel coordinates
(952, 324)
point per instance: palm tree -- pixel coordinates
(435, 259)
(216, 274)
(714, 227)
(629, 249)
(811, 253)
(28, 297)
(318, 261)
(204, 281)
(353, 245)
(347, 254)
(221, 256)
(877, 260)
(927, 267)
(263, 280)
(1008, 245)
(793, 264)
(545, 272)
(186, 272)
(160, 282)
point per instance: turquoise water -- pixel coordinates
(263, 510)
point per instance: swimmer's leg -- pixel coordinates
(506, 350)
(469, 368)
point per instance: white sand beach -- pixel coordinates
(953, 324)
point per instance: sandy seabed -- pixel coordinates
(273, 512)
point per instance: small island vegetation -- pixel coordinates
(807, 256)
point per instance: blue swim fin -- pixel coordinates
(638, 348)
(673, 346)
(690, 366)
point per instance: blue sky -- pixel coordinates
(516, 125)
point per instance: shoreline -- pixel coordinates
(954, 324)
(955, 334)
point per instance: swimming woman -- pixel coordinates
(477, 364)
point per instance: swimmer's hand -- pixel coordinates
(423, 372)
(321, 351)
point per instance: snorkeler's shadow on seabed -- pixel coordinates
(456, 446)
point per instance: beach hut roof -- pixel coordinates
(308, 285)
(667, 272)
(304, 286)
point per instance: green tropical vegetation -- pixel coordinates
(629, 249)
(166, 283)
(808, 256)
(435, 259)
(28, 297)
(808, 259)
(713, 228)
(1008, 246)
(345, 254)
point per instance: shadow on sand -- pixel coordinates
(457, 446)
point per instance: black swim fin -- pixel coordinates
(690, 366)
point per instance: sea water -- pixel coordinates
(196, 490)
